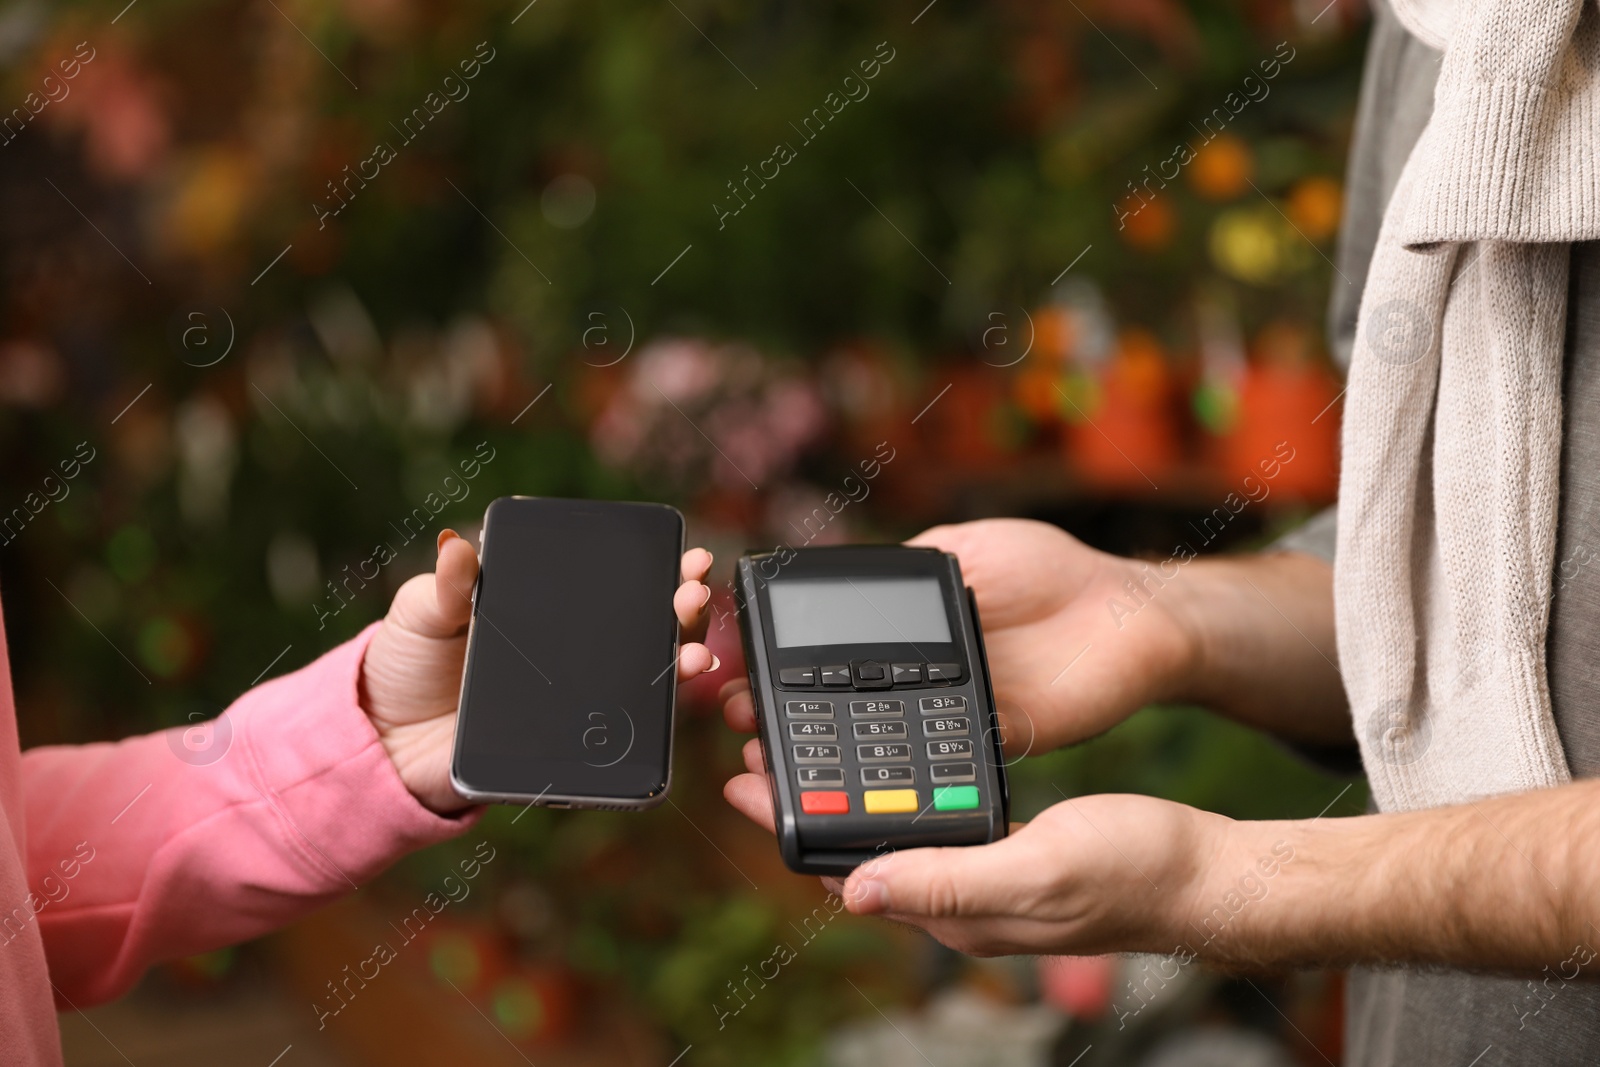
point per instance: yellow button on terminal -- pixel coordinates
(890, 801)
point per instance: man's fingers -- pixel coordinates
(946, 538)
(749, 793)
(738, 708)
(932, 883)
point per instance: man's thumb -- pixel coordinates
(935, 882)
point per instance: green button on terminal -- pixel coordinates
(955, 797)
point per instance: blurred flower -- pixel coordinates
(208, 200)
(681, 371)
(343, 326)
(568, 201)
(384, 21)
(31, 374)
(693, 411)
(1314, 206)
(293, 572)
(1255, 244)
(1149, 224)
(207, 454)
(131, 553)
(1221, 169)
(1080, 397)
(167, 646)
(798, 515)
(455, 957)
(94, 592)
(1222, 360)
(117, 105)
(142, 438)
(1284, 343)
(1091, 331)
(1079, 986)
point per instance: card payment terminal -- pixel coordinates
(872, 700)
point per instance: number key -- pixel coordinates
(862, 708)
(954, 748)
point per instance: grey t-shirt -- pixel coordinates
(1410, 1017)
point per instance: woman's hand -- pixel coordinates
(411, 676)
(1091, 875)
(1071, 651)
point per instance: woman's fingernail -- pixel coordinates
(715, 663)
(705, 599)
(444, 535)
(710, 559)
(868, 896)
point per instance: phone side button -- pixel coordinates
(824, 802)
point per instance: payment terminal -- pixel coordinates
(873, 702)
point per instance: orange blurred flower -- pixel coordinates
(1147, 224)
(1221, 170)
(1314, 205)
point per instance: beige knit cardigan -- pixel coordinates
(1452, 425)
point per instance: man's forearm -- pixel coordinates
(1508, 884)
(1263, 639)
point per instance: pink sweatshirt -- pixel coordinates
(117, 856)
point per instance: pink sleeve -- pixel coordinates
(143, 854)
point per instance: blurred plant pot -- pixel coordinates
(1120, 430)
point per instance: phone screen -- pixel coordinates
(570, 674)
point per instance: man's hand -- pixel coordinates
(1064, 665)
(1091, 875)
(411, 676)
(1504, 884)
(1077, 639)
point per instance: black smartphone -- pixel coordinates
(570, 683)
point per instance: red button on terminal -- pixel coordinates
(824, 802)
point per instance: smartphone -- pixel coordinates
(570, 683)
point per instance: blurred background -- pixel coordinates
(278, 267)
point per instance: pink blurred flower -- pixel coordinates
(1079, 986)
